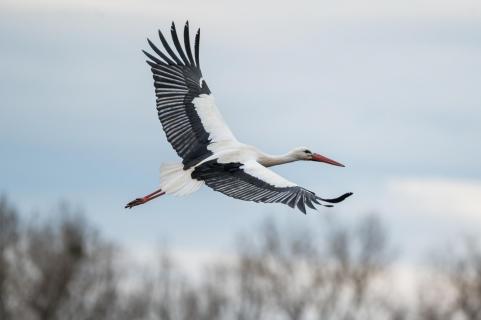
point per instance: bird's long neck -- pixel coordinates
(269, 160)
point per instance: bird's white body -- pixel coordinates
(176, 181)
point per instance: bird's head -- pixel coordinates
(303, 153)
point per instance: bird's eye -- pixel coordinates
(307, 151)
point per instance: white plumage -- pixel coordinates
(210, 152)
(176, 181)
(212, 120)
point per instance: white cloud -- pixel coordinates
(438, 197)
(191, 261)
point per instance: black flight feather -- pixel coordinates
(338, 199)
(151, 57)
(196, 45)
(173, 32)
(160, 53)
(168, 49)
(187, 43)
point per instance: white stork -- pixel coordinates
(210, 152)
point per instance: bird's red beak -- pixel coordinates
(319, 158)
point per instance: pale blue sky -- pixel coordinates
(390, 89)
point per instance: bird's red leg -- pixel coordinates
(153, 193)
(147, 198)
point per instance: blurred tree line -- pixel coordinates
(63, 268)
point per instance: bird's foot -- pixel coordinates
(136, 202)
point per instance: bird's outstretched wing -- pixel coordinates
(252, 181)
(185, 106)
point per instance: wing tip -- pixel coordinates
(338, 199)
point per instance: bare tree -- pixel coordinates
(214, 299)
(297, 275)
(63, 270)
(453, 288)
(357, 258)
(250, 292)
(174, 297)
(8, 240)
(280, 270)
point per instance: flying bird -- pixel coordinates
(211, 155)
